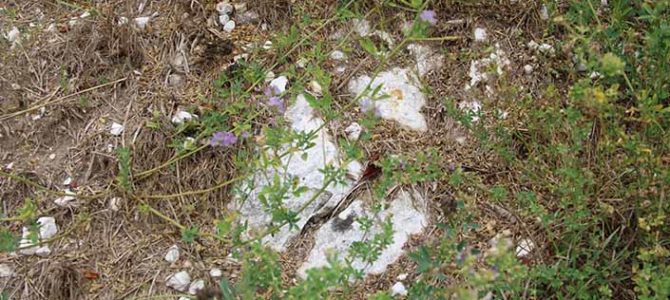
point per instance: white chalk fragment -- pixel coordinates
(196, 286)
(223, 19)
(524, 248)
(224, 8)
(480, 35)
(315, 88)
(337, 55)
(528, 69)
(172, 254)
(65, 200)
(6, 271)
(115, 203)
(398, 289)
(13, 35)
(278, 85)
(116, 129)
(47, 229)
(142, 22)
(182, 116)
(544, 13)
(215, 273)
(178, 281)
(229, 27)
(353, 131)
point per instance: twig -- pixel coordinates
(61, 99)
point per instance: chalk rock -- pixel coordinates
(303, 166)
(408, 216)
(405, 99)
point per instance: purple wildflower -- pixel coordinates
(223, 139)
(366, 105)
(428, 16)
(270, 91)
(378, 112)
(277, 102)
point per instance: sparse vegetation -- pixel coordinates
(542, 181)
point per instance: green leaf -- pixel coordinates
(612, 65)
(188, 235)
(369, 46)
(227, 290)
(7, 241)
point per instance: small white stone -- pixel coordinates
(239, 57)
(142, 22)
(48, 227)
(67, 181)
(178, 281)
(544, 13)
(302, 62)
(340, 69)
(337, 55)
(52, 156)
(224, 8)
(172, 254)
(546, 49)
(116, 129)
(122, 21)
(315, 88)
(402, 276)
(361, 26)
(223, 19)
(86, 14)
(267, 45)
(6, 271)
(270, 76)
(278, 85)
(528, 69)
(215, 273)
(524, 248)
(182, 116)
(480, 35)
(229, 27)
(353, 131)
(13, 35)
(196, 286)
(115, 203)
(43, 251)
(65, 200)
(398, 289)
(595, 75)
(247, 17)
(240, 7)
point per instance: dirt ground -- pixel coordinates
(71, 77)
